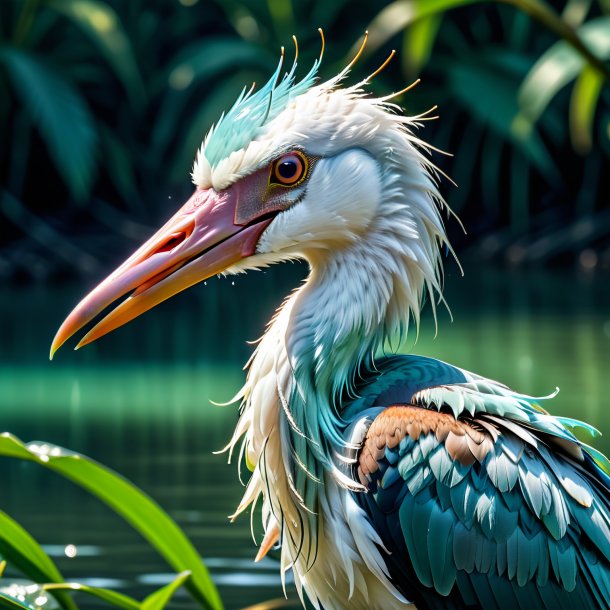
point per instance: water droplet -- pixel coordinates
(71, 551)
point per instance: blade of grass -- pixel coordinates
(6, 601)
(119, 600)
(583, 102)
(160, 598)
(132, 504)
(157, 600)
(21, 550)
(543, 13)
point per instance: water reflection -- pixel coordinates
(139, 401)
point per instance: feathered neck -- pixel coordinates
(325, 336)
(351, 305)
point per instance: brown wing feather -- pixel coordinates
(464, 440)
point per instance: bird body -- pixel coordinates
(387, 480)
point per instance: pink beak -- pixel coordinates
(208, 235)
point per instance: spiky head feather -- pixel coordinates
(253, 110)
(248, 117)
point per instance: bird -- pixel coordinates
(388, 480)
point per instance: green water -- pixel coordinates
(139, 401)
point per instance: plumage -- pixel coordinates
(391, 479)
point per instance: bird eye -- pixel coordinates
(289, 170)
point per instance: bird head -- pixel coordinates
(298, 169)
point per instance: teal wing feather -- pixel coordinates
(483, 498)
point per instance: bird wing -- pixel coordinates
(482, 498)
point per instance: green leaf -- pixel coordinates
(398, 15)
(112, 597)
(418, 43)
(102, 24)
(583, 102)
(486, 90)
(61, 115)
(160, 598)
(6, 601)
(157, 600)
(21, 550)
(18, 547)
(560, 65)
(132, 504)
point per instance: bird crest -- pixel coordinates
(254, 110)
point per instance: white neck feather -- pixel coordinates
(333, 323)
(355, 298)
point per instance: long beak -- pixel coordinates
(201, 240)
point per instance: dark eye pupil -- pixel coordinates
(287, 169)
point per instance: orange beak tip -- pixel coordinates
(54, 347)
(84, 341)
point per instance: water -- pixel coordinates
(139, 402)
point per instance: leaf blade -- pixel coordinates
(560, 65)
(419, 41)
(132, 504)
(161, 597)
(61, 115)
(120, 600)
(396, 16)
(6, 601)
(102, 25)
(583, 102)
(23, 551)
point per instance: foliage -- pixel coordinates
(22, 551)
(108, 101)
(511, 119)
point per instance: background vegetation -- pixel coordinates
(103, 104)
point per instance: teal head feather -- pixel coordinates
(253, 110)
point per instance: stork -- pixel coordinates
(388, 481)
